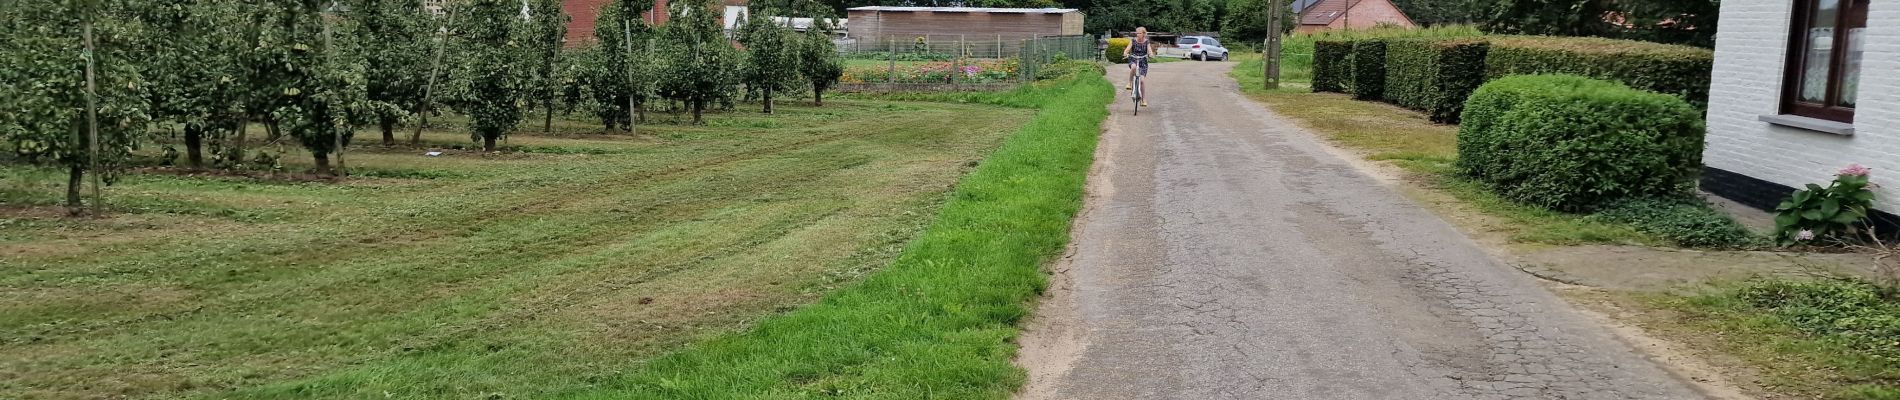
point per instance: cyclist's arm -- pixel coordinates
(1125, 50)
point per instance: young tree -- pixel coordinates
(70, 87)
(619, 72)
(545, 36)
(493, 79)
(771, 57)
(193, 69)
(394, 40)
(703, 64)
(818, 59)
(323, 97)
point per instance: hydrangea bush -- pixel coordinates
(1835, 213)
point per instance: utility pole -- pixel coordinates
(428, 90)
(1272, 48)
(626, 42)
(92, 123)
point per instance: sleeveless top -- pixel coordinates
(1138, 48)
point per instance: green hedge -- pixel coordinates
(1368, 69)
(1332, 66)
(1571, 143)
(1671, 69)
(1434, 75)
(1113, 53)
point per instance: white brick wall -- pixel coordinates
(1750, 51)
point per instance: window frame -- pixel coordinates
(1830, 107)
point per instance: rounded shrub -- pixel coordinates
(1570, 143)
(1114, 51)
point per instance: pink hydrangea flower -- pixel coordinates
(1855, 170)
(1804, 235)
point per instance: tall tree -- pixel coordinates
(771, 58)
(545, 36)
(394, 39)
(324, 96)
(1671, 21)
(195, 68)
(818, 59)
(703, 65)
(68, 76)
(619, 71)
(1246, 20)
(493, 79)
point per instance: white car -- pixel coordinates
(1202, 48)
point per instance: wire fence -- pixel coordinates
(955, 62)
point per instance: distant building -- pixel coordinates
(1320, 15)
(950, 23)
(582, 13)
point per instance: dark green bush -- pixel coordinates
(1368, 69)
(1434, 75)
(1113, 53)
(1332, 66)
(1687, 222)
(1570, 143)
(1671, 69)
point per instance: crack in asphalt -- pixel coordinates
(1238, 258)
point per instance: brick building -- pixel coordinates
(1790, 104)
(582, 13)
(1319, 15)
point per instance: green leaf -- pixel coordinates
(1830, 206)
(1785, 220)
(1813, 215)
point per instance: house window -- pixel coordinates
(1824, 55)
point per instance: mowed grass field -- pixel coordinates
(512, 275)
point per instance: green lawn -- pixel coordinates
(513, 275)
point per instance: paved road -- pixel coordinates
(1225, 254)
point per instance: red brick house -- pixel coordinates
(582, 13)
(1319, 15)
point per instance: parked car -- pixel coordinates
(1202, 48)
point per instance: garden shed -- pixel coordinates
(877, 23)
(1797, 95)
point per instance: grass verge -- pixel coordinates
(940, 320)
(1826, 339)
(1426, 151)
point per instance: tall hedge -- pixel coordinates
(1571, 143)
(1332, 66)
(1682, 71)
(1434, 75)
(1368, 69)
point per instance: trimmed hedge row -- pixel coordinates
(1332, 66)
(1677, 70)
(1368, 69)
(1434, 75)
(1571, 143)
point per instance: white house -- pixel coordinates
(1801, 89)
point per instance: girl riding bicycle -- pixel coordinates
(1137, 54)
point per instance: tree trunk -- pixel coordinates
(270, 127)
(388, 123)
(74, 180)
(640, 112)
(699, 106)
(818, 97)
(194, 145)
(242, 126)
(488, 143)
(768, 100)
(323, 162)
(547, 123)
(609, 122)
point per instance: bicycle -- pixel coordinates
(1135, 62)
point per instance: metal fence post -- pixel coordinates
(891, 74)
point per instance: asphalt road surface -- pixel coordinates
(1227, 254)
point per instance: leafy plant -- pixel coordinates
(1847, 311)
(620, 71)
(1434, 75)
(394, 39)
(1332, 66)
(1670, 69)
(1113, 53)
(43, 87)
(702, 68)
(1368, 69)
(1833, 213)
(1687, 222)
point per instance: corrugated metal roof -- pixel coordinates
(967, 10)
